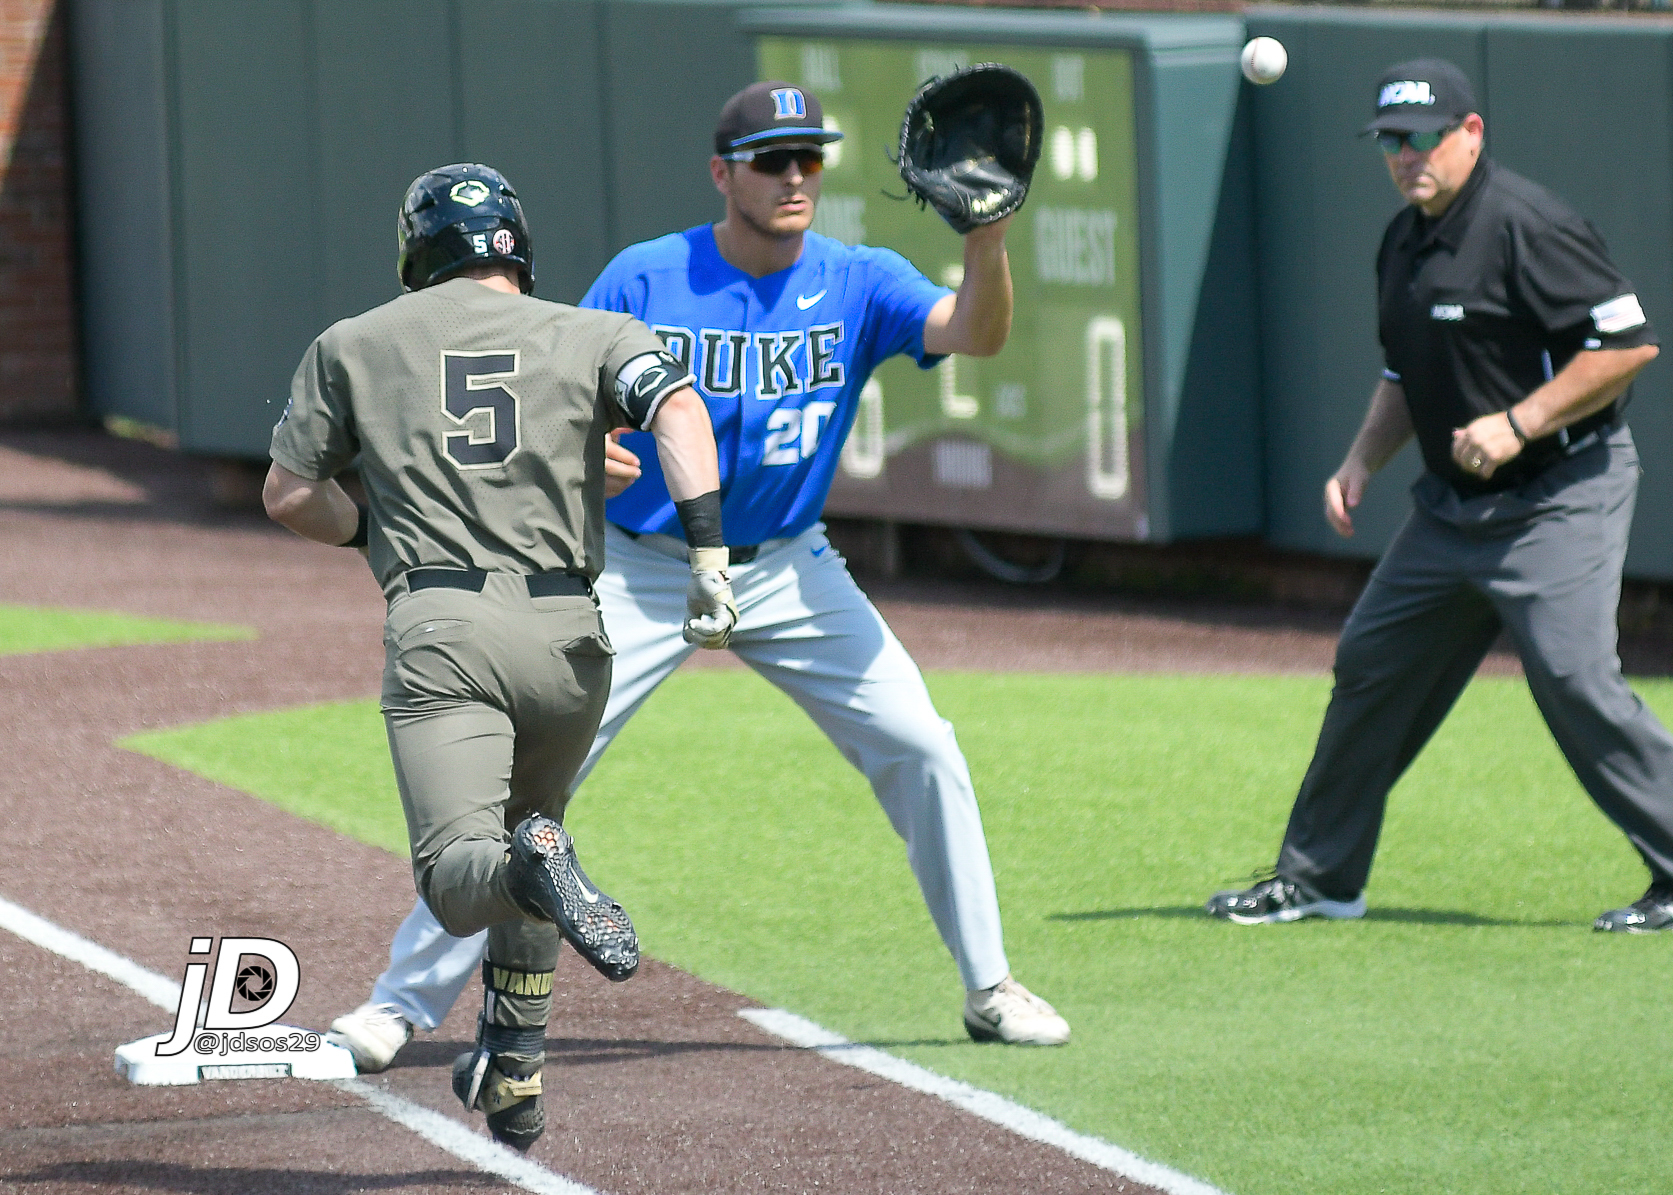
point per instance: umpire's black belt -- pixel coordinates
(540, 584)
(1543, 454)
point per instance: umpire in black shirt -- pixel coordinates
(1510, 342)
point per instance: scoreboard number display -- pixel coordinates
(1047, 436)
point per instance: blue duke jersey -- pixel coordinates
(780, 361)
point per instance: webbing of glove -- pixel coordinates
(969, 143)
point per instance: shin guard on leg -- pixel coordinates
(501, 1076)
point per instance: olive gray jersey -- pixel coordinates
(479, 419)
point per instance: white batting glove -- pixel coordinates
(708, 600)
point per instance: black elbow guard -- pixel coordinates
(643, 383)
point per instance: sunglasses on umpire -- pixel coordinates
(810, 159)
(1422, 143)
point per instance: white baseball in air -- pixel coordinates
(1264, 60)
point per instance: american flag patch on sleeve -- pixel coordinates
(1618, 315)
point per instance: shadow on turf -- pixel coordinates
(1413, 916)
(133, 1175)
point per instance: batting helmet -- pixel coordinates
(455, 215)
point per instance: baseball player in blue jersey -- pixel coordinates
(781, 327)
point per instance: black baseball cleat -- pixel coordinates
(1647, 914)
(502, 1078)
(547, 882)
(1277, 899)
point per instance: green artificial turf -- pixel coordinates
(48, 628)
(1471, 1035)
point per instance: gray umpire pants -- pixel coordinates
(1543, 561)
(491, 701)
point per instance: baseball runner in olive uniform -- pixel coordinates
(827, 314)
(479, 415)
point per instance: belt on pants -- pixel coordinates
(1586, 441)
(473, 579)
(669, 546)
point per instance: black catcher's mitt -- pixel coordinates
(969, 143)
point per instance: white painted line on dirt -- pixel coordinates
(486, 1155)
(1025, 1122)
(160, 990)
(447, 1135)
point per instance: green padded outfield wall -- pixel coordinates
(240, 163)
(1581, 105)
(1125, 404)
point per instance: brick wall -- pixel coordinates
(37, 296)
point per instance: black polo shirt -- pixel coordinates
(1477, 309)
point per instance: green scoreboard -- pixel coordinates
(1115, 411)
(1044, 436)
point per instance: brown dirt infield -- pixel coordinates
(663, 1088)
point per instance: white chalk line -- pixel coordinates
(450, 1136)
(996, 1109)
(493, 1158)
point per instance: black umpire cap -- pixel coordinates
(1424, 95)
(770, 111)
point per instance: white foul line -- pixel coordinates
(1025, 1122)
(159, 989)
(485, 1154)
(447, 1135)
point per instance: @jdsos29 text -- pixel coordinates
(260, 974)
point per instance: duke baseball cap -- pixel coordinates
(1424, 95)
(771, 111)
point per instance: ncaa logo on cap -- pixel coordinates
(1407, 91)
(787, 102)
(504, 242)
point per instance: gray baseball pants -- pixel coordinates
(1542, 561)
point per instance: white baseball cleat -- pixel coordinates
(1010, 1013)
(373, 1033)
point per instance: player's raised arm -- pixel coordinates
(968, 147)
(977, 320)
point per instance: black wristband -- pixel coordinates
(361, 527)
(1521, 436)
(700, 516)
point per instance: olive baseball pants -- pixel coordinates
(1542, 561)
(491, 701)
(808, 629)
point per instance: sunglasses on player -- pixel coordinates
(1422, 143)
(810, 159)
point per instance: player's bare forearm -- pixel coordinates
(316, 510)
(1384, 430)
(685, 444)
(977, 321)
